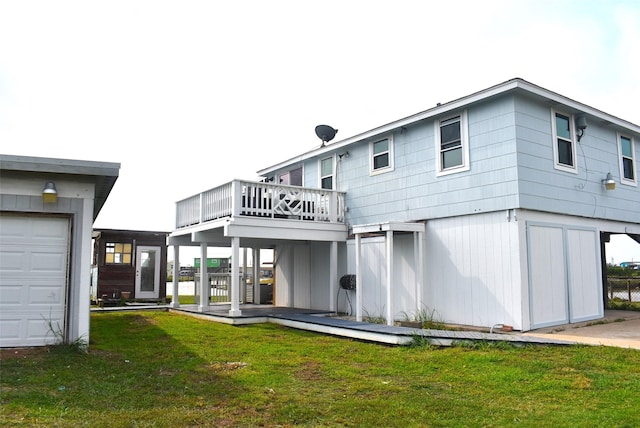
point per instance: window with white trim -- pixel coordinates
(564, 141)
(627, 160)
(326, 173)
(381, 155)
(452, 144)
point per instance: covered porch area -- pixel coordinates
(254, 216)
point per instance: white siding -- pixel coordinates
(472, 264)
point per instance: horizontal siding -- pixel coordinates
(413, 192)
(511, 166)
(544, 188)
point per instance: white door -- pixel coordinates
(564, 275)
(34, 254)
(147, 272)
(585, 284)
(547, 276)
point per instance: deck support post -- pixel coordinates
(418, 250)
(235, 278)
(204, 279)
(389, 314)
(175, 303)
(333, 275)
(256, 275)
(358, 278)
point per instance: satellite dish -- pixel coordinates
(325, 133)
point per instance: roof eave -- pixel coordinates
(441, 109)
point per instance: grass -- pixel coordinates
(160, 369)
(623, 305)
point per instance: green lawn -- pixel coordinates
(157, 369)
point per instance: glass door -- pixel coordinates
(147, 272)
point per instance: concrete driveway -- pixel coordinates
(617, 328)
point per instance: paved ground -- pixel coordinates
(617, 328)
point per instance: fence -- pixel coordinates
(627, 289)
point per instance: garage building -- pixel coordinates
(47, 210)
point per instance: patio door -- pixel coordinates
(147, 272)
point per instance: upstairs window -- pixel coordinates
(564, 147)
(291, 178)
(381, 155)
(117, 253)
(627, 164)
(326, 173)
(452, 147)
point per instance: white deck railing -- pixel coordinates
(264, 200)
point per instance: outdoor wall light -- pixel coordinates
(49, 193)
(609, 182)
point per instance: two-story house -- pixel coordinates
(489, 209)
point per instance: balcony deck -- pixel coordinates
(263, 210)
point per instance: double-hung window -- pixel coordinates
(627, 160)
(381, 155)
(452, 144)
(326, 173)
(564, 142)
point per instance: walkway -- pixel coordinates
(321, 322)
(617, 328)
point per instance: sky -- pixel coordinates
(189, 95)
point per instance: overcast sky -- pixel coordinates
(188, 95)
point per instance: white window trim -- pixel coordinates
(464, 139)
(572, 128)
(386, 168)
(333, 172)
(624, 180)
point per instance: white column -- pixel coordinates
(333, 275)
(204, 279)
(418, 250)
(389, 243)
(358, 279)
(245, 274)
(235, 278)
(175, 303)
(256, 275)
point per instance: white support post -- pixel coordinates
(418, 249)
(175, 303)
(245, 274)
(235, 278)
(358, 278)
(236, 200)
(256, 275)
(204, 279)
(333, 275)
(389, 242)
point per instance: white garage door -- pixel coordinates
(33, 279)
